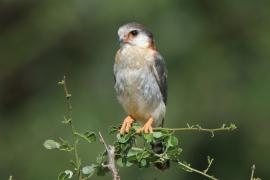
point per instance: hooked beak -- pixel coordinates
(123, 39)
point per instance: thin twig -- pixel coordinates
(10, 178)
(111, 165)
(210, 162)
(69, 120)
(199, 128)
(197, 171)
(252, 173)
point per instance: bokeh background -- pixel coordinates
(217, 54)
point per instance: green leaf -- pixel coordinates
(65, 146)
(66, 120)
(148, 137)
(136, 126)
(125, 138)
(233, 126)
(157, 134)
(143, 163)
(51, 144)
(114, 129)
(173, 153)
(89, 170)
(142, 155)
(172, 141)
(132, 154)
(119, 162)
(128, 164)
(88, 136)
(133, 151)
(67, 174)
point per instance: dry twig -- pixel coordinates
(252, 173)
(111, 165)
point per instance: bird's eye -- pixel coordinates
(134, 32)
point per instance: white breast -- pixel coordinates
(136, 86)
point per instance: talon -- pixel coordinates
(147, 128)
(126, 125)
(128, 128)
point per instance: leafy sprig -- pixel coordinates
(64, 145)
(130, 149)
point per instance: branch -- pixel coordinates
(68, 120)
(199, 128)
(111, 165)
(186, 166)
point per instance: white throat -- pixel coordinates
(141, 40)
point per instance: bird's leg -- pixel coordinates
(147, 128)
(126, 124)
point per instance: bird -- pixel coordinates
(140, 75)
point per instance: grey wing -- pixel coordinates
(160, 72)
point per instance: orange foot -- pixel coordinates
(147, 128)
(126, 125)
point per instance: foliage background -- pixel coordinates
(217, 54)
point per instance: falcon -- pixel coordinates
(140, 78)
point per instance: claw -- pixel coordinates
(126, 125)
(147, 128)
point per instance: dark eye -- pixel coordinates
(134, 32)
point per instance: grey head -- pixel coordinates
(135, 34)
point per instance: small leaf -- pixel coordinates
(173, 153)
(62, 176)
(66, 120)
(89, 170)
(88, 136)
(51, 144)
(233, 126)
(143, 163)
(91, 136)
(157, 134)
(67, 174)
(136, 126)
(149, 137)
(128, 164)
(126, 137)
(121, 138)
(114, 129)
(65, 146)
(133, 151)
(132, 154)
(172, 141)
(62, 82)
(119, 162)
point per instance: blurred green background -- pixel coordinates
(217, 54)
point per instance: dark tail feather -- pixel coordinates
(158, 148)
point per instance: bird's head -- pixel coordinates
(135, 34)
